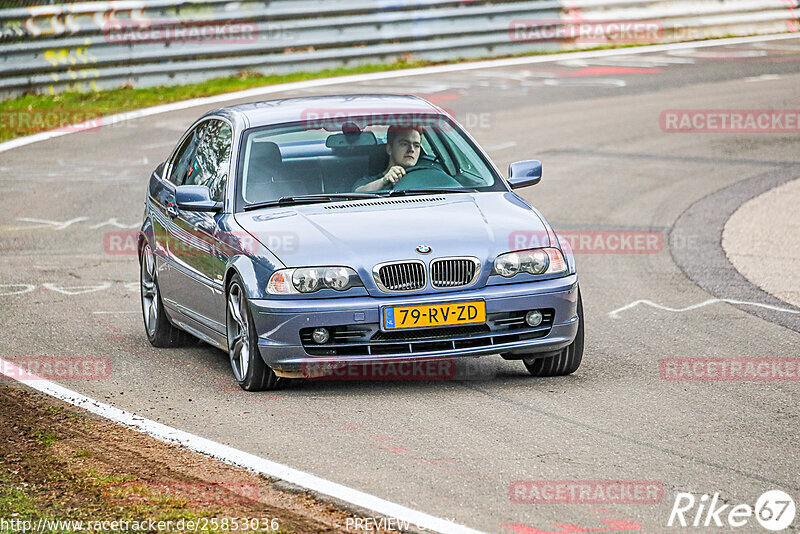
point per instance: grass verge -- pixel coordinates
(35, 113)
(63, 470)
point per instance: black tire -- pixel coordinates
(249, 369)
(564, 362)
(160, 332)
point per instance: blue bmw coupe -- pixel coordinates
(358, 229)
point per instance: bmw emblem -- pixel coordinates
(424, 249)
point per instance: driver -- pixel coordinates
(403, 147)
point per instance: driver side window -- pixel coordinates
(212, 158)
(183, 158)
(204, 158)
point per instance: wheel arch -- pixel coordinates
(253, 276)
(146, 235)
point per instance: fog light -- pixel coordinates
(533, 318)
(320, 335)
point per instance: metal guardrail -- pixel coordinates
(93, 45)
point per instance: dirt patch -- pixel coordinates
(58, 462)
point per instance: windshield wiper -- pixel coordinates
(429, 191)
(309, 199)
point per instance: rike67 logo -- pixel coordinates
(774, 510)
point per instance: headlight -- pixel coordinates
(311, 279)
(537, 261)
(507, 264)
(337, 278)
(307, 280)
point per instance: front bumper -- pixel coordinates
(279, 322)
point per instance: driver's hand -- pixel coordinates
(393, 175)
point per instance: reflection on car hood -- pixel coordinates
(361, 234)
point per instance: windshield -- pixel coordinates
(362, 156)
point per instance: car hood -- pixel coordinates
(361, 234)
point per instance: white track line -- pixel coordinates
(615, 313)
(232, 456)
(402, 73)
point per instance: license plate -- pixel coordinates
(434, 315)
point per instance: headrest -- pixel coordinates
(266, 153)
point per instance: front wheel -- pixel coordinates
(566, 361)
(160, 332)
(249, 369)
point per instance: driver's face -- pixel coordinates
(405, 149)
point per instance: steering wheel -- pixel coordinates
(423, 177)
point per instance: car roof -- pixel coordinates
(285, 110)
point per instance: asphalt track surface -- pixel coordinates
(452, 448)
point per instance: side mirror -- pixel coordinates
(524, 173)
(195, 198)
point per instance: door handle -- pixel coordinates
(172, 211)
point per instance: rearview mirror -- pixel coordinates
(524, 173)
(351, 139)
(195, 198)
